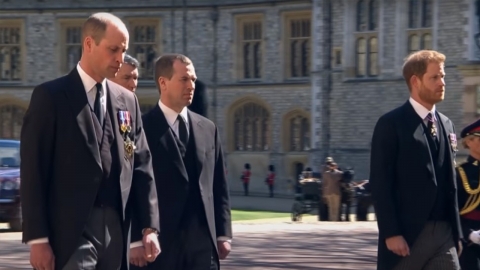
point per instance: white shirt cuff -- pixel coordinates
(38, 241)
(224, 239)
(136, 244)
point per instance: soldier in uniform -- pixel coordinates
(468, 176)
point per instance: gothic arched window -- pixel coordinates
(251, 128)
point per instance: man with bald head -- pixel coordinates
(86, 165)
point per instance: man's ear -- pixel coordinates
(414, 81)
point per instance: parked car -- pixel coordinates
(10, 208)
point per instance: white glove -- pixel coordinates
(475, 237)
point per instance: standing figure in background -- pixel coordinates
(246, 178)
(270, 180)
(331, 191)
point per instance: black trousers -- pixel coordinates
(470, 257)
(191, 250)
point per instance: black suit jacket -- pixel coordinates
(402, 178)
(172, 179)
(61, 168)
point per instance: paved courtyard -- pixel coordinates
(268, 245)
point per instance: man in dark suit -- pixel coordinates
(84, 152)
(127, 76)
(193, 197)
(412, 174)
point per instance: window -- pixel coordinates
(251, 127)
(420, 13)
(144, 45)
(298, 47)
(71, 44)
(366, 45)
(367, 15)
(11, 120)
(298, 133)
(10, 51)
(250, 46)
(336, 57)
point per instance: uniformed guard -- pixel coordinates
(468, 180)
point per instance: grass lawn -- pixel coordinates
(251, 215)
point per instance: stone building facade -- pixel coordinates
(289, 82)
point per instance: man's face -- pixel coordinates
(107, 57)
(127, 77)
(178, 91)
(431, 88)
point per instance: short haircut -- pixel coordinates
(417, 62)
(96, 25)
(164, 65)
(128, 59)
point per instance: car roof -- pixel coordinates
(9, 142)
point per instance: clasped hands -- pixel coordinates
(148, 252)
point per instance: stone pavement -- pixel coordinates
(273, 244)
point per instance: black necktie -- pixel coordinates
(97, 105)
(182, 130)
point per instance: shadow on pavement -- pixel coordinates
(303, 250)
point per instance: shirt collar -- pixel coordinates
(422, 111)
(172, 115)
(88, 82)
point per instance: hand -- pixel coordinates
(398, 245)
(151, 245)
(224, 249)
(137, 256)
(474, 237)
(41, 257)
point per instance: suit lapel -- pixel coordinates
(199, 139)
(116, 101)
(166, 139)
(77, 97)
(415, 123)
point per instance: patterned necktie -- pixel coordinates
(182, 130)
(431, 126)
(97, 105)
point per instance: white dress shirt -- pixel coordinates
(423, 112)
(89, 85)
(172, 116)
